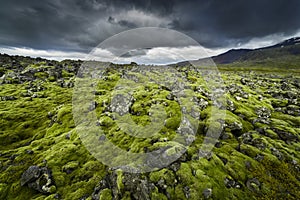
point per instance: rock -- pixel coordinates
(247, 138)
(7, 98)
(245, 95)
(285, 85)
(170, 96)
(121, 103)
(292, 110)
(57, 196)
(50, 114)
(195, 113)
(102, 138)
(230, 105)
(230, 183)
(204, 154)
(68, 136)
(39, 179)
(286, 136)
(235, 126)
(224, 160)
(248, 165)
(186, 127)
(186, 191)
(139, 188)
(161, 183)
(263, 112)
(259, 143)
(93, 106)
(259, 157)
(238, 98)
(253, 184)
(276, 153)
(31, 174)
(28, 151)
(102, 185)
(243, 81)
(175, 166)
(207, 193)
(261, 120)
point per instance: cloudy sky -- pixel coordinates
(60, 29)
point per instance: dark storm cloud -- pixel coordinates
(78, 25)
(217, 23)
(123, 23)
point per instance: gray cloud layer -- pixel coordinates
(77, 25)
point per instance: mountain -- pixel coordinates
(286, 48)
(231, 56)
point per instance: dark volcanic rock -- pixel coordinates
(140, 188)
(39, 179)
(207, 193)
(31, 174)
(286, 136)
(253, 184)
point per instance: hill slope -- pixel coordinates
(286, 48)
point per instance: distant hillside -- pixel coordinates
(231, 56)
(286, 48)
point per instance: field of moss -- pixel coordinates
(255, 157)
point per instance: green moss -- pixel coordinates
(41, 75)
(70, 166)
(158, 196)
(52, 189)
(52, 78)
(164, 174)
(184, 174)
(106, 194)
(66, 74)
(3, 190)
(120, 177)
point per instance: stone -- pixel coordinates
(238, 98)
(253, 184)
(121, 103)
(204, 154)
(39, 179)
(29, 151)
(202, 104)
(68, 136)
(286, 136)
(263, 112)
(230, 105)
(243, 81)
(259, 157)
(31, 174)
(276, 153)
(230, 183)
(175, 166)
(186, 191)
(235, 126)
(207, 193)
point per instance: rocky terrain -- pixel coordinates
(256, 157)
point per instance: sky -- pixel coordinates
(72, 29)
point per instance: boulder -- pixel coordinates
(39, 179)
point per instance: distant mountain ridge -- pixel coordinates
(285, 48)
